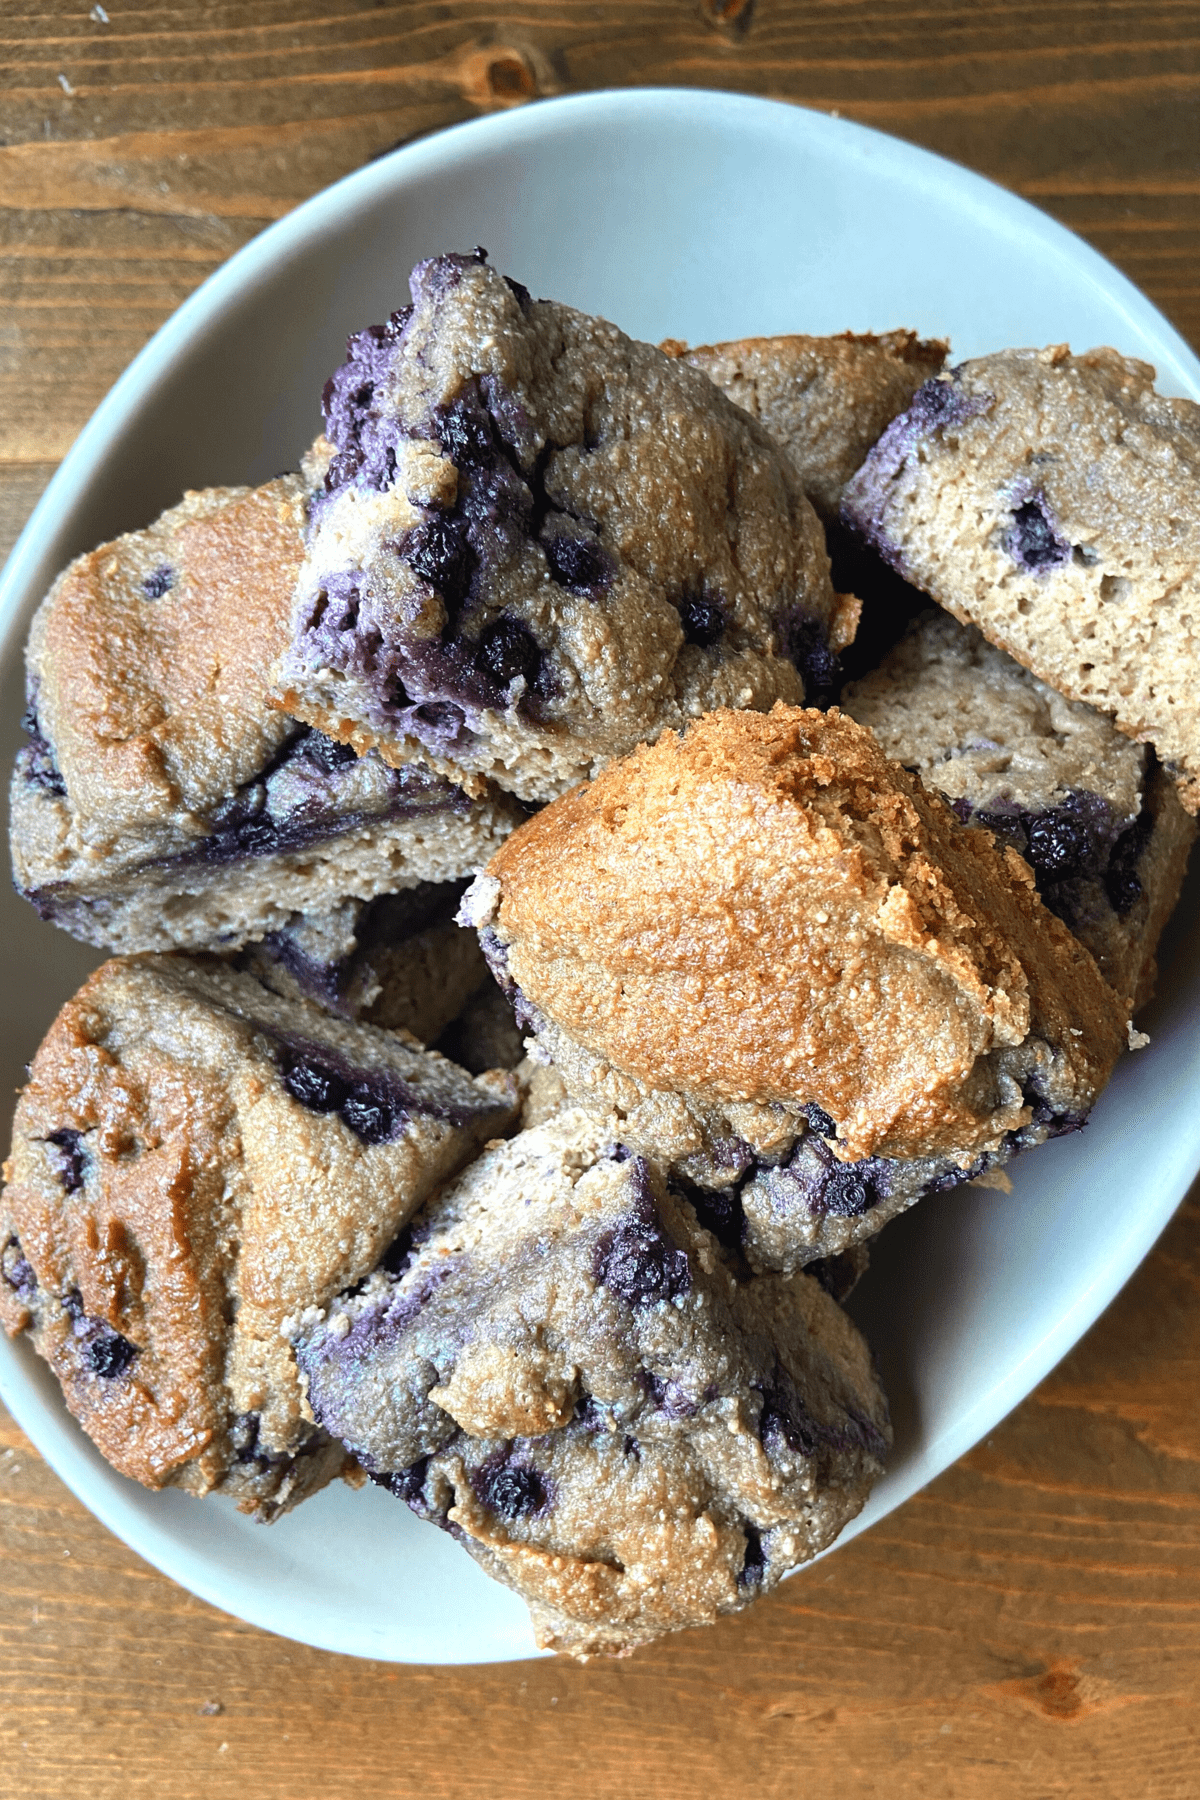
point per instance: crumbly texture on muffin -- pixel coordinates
(194, 1159)
(399, 961)
(566, 1375)
(1051, 500)
(774, 954)
(163, 800)
(824, 399)
(541, 542)
(1091, 811)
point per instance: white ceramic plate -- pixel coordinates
(683, 214)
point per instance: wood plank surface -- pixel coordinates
(1030, 1625)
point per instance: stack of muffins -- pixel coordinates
(800, 903)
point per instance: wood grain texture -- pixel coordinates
(1030, 1625)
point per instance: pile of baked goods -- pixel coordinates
(558, 917)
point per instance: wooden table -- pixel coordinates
(1030, 1625)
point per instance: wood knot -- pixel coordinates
(498, 75)
(732, 18)
(510, 79)
(1057, 1690)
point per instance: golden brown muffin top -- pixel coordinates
(767, 909)
(150, 656)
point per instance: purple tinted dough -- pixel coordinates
(245, 827)
(637, 1260)
(364, 444)
(938, 407)
(671, 1399)
(785, 1424)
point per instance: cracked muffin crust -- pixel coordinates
(825, 400)
(565, 1374)
(793, 973)
(193, 1159)
(1092, 813)
(1050, 500)
(163, 800)
(541, 542)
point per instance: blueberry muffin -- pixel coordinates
(564, 1373)
(1051, 500)
(824, 399)
(399, 961)
(1092, 812)
(541, 542)
(194, 1159)
(798, 979)
(162, 800)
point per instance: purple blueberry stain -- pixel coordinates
(805, 643)
(819, 1120)
(785, 1423)
(754, 1560)
(160, 581)
(17, 1270)
(1076, 842)
(36, 762)
(109, 1354)
(1122, 883)
(579, 564)
(508, 652)
(406, 1484)
(375, 1103)
(68, 1158)
(668, 1397)
(703, 619)
(364, 441)
(637, 1260)
(824, 1186)
(1034, 541)
(298, 800)
(510, 1488)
